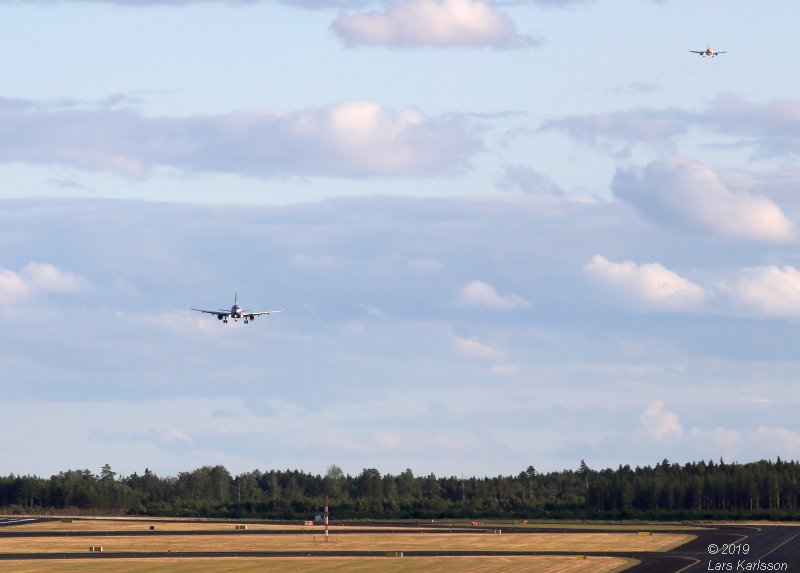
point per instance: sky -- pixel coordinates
(504, 232)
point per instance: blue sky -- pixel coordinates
(504, 233)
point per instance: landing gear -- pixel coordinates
(224, 321)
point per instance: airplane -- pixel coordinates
(707, 52)
(235, 312)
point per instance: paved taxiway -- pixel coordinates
(747, 548)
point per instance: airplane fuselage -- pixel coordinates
(236, 312)
(707, 52)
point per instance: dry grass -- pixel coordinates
(510, 564)
(144, 525)
(588, 542)
(598, 526)
(171, 524)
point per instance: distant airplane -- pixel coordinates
(707, 52)
(235, 312)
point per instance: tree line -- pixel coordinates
(698, 490)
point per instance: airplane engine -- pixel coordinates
(219, 317)
(252, 317)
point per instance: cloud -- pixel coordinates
(46, 277)
(650, 286)
(769, 128)
(545, 3)
(308, 4)
(12, 287)
(768, 292)
(528, 181)
(304, 4)
(409, 442)
(66, 184)
(728, 439)
(481, 294)
(688, 194)
(37, 277)
(425, 265)
(351, 139)
(473, 348)
(437, 23)
(772, 127)
(660, 424)
(637, 126)
(783, 440)
(510, 370)
(780, 185)
(763, 441)
(175, 436)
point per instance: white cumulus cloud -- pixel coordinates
(48, 278)
(349, 139)
(689, 194)
(650, 286)
(509, 370)
(473, 348)
(37, 277)
(174, 436)
(12, 287)
(659, 423)
(481, 294)
(768, 291)
(783, 440)
(763, 441)
(439, 23)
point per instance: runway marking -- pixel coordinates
(742, 536)
(779, 546)
(690, 565)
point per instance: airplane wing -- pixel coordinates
(696, 52)
(722, 52)
(215, 312)
(259, 313)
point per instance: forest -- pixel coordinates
(668, 491)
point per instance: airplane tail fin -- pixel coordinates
(235, 298)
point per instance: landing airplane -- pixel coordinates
(707, 52)
(235, 312)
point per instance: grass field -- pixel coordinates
(595, 525)
(352, 542)
(511, 564)
(139, 524)
(310, 538)
(144, 525)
